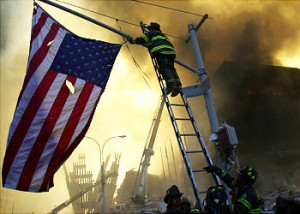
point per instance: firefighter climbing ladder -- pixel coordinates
(196, 133)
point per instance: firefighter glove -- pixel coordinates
(130, 40)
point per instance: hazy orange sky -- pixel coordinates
(128, 104)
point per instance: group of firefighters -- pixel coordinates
(244, 198)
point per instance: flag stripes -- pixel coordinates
(61, 94)
(49, 121)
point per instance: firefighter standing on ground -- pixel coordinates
(176, 204)
(163, 51)
(244, 199)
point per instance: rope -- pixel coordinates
(175, 9)
(111, 17)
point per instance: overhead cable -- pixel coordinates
(175, 9)
(111, 17)
(144, 75)
(102, 14)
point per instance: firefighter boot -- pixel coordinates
(177, 88)
(171, 83)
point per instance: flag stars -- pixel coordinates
(85, 59)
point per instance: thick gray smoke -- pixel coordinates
(262, 32)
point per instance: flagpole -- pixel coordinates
(121, 33)
(88, 18)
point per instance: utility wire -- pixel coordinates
(175, 9)
(144, 75)
(102, 14)
(111, 17)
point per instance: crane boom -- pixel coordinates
(141, 179)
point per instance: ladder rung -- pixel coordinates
(177, 104)
(195, 151)
(202, 192)
(199, 170)
(188, 134)
(182, 119)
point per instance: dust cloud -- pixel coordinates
(263, 32)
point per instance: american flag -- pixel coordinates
(50, 121)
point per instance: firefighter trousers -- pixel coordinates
(167, 69)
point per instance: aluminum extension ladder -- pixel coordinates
(185, 105)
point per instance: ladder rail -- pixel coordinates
(179, 139)
(181, 144)
(199, 136)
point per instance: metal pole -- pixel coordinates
(103, 177)
(162, 163)
(103, 187)
(187, 66)
(108, 28)
(102, 168)
(88, 18)
(208, 98)
(198, 26)
(170, 175)
(100, 152)
(174, 162)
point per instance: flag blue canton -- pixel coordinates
(86, 59)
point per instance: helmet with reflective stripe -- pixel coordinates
(216, 198)
(249, 174)
(153, 26)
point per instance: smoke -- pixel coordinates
(263, 32)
